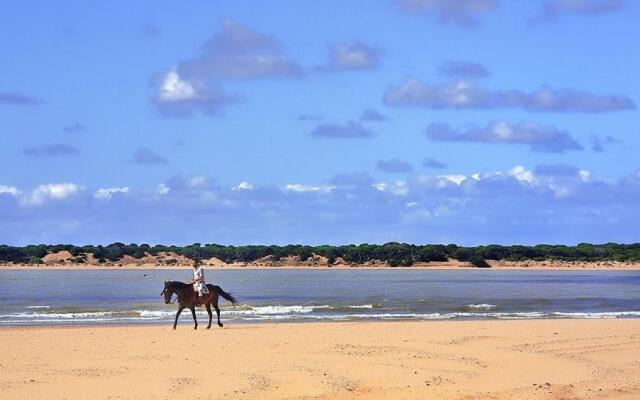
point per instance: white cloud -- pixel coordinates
(537, 137)
(531, 203)
(12, 190)
(468, 95)
(179, 97)
(398, 188)
(52, 191)
(244, 185)
(454, 178)
(460, 12)
(522, 174)
(173, 88)
(353, 56)
(584, 175)
(163, 189)
(239, 52)
(107, 193)
(301, 188)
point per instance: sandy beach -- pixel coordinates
(544, 359)
(451, 265)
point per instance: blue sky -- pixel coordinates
(472, 121)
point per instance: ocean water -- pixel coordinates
(50, 297)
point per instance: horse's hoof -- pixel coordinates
(220, 324)
(209, 327)
(174, 328)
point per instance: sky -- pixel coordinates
(320, 122)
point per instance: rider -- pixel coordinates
(200, 289)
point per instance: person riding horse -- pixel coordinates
(199, 287)
(196, 293)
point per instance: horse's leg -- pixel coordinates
(177, 315)
(210, 314)
(195, 321)
(214, 301)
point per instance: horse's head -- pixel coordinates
(167, 292)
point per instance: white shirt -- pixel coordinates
(199, 272)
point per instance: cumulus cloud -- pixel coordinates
(551, 9)
(433, 163)
(108, 193)
(178, 98)
(467, 95)
(394, 166)
(12, 98)
(464, 70)
(189, 186)
(350, 130)
(242, 186)
(163, 189)
(303, 188)
(50, 150)
(51, 191)
(352, 56)
(148, 157)
(238, 52)
(548, 203)
(398, 188)
(460, 12)
(538, 137)
(10, 190)
(372, 115)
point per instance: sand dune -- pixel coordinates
(550, 359)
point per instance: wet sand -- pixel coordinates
(535, 359)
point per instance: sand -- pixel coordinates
(168, 260)
(542, 359)
(451, 265)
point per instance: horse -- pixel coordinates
(188, 298)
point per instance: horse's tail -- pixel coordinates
(224, 294)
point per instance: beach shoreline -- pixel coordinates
(583, 359)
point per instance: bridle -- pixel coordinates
(171, 295)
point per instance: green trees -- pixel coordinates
(395, 254)
(479, 262)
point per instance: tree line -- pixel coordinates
(395, 254)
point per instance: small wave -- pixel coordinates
(587, 315)
(268, 310)
(155, 314)
(38, 307)
(54, 315)
(364, 306)
(347, 307)
(483, 306)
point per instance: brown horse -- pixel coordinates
(188, 298)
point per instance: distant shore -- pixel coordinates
(452, 265)
(543, 359)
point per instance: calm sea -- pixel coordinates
(133, 297)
